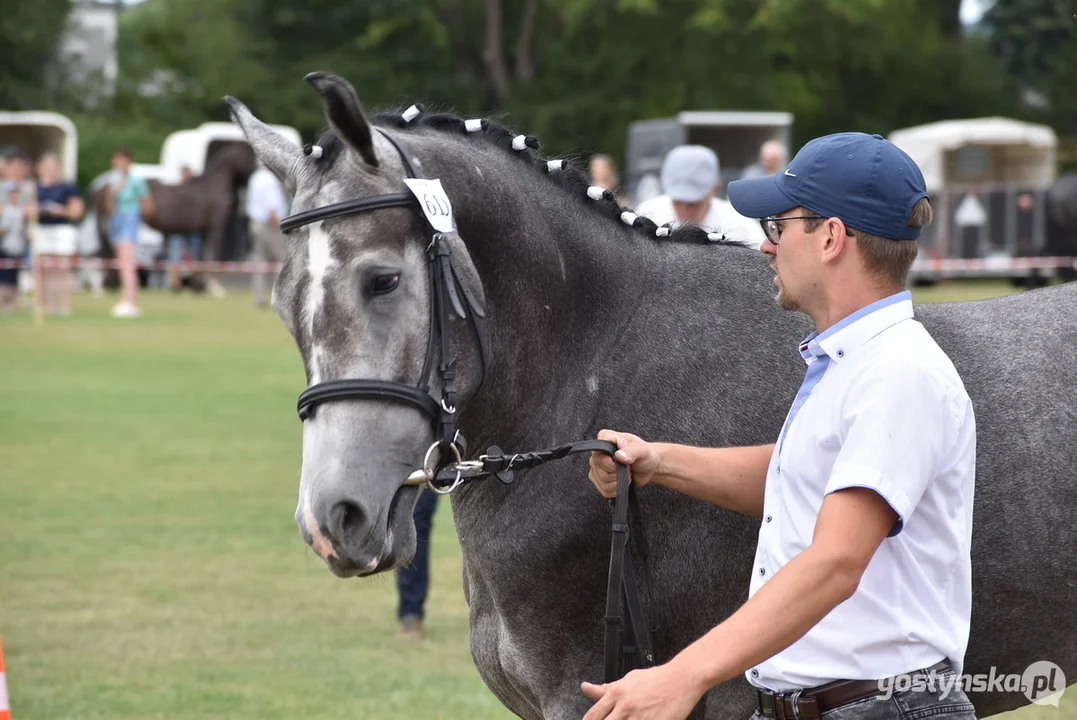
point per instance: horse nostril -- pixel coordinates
(347, 522)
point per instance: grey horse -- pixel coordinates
(594, 322)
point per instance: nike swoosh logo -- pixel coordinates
(789, 173)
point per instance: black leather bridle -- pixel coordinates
(627, 643)
(445, 289)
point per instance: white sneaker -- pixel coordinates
(125, 310)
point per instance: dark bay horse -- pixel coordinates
(595, 324)
(203, 204)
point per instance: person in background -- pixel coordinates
(128, 201)
(18, 208)
(413, 580)
(60, 208)
(180, 244)
(690, 184)
(266, 207)
(772, 158)
(603, 173)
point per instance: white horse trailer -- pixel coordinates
(988, 179)
(35, 132)
(193, 148)
(735, 136)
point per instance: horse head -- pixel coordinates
(355, 293)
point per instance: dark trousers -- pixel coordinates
(413, 581)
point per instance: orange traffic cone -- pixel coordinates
(5, 709)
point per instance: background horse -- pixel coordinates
(594, 324)
(203, 205)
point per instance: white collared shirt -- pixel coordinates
(890, 413)
(264, 195)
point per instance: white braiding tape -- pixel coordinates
(473, 125)
(315, 151)
(662, 232)
(596, 193)
(628, 217)
(555, 165)
(715, 237)
(411, 113)
(519, 142)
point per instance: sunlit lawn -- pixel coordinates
(149, 563)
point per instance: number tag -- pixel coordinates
(434, 202)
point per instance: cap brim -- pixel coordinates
(758, 197)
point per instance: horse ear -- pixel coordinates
(344, 113)
(278, 154)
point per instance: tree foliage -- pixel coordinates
(575, 73)
(29, 39)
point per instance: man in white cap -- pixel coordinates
(690, 182)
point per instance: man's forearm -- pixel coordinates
(799, 596)
(733, 478)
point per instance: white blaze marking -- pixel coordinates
(319, 262)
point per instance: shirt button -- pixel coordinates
(769, 518)
(779, 469)
(841, 353)
(762, 571)
(755, 673)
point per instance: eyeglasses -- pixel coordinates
(772, 230)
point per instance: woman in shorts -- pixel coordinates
(59, 208)
(128, 202)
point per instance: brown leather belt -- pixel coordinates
(810, 703)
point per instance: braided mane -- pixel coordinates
(560, 172)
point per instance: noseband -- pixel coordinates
(445, 290)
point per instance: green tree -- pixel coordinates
(29, 37)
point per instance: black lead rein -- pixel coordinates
(628, 645)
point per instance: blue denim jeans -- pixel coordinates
(413, 580)
(945, 699)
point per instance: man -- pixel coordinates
(183, 245)
(863, 569)
(413, 579)
(690, 182)
(266, 207)
(772, 155)
(18, 210)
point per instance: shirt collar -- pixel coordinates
(852, 331)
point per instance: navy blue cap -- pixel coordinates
(864, 180)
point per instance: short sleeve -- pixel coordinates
(896, 429)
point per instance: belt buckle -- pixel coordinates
(794, 700)
(766, 703)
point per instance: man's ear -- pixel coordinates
(836, 239)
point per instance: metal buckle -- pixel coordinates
(766, 703)
(795, 700)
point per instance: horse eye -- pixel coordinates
(384, 284)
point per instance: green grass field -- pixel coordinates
(149, 563)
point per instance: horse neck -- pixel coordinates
(559, 279)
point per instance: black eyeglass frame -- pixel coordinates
(774, 219)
